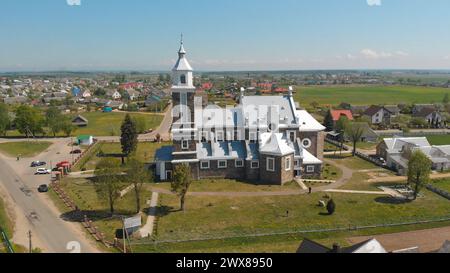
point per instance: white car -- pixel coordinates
(43, 171)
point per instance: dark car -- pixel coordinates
(43, 188)
(38, 164)
(77, 151)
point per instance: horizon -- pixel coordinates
(363, 35)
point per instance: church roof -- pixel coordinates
(276, 145)
(182, 63)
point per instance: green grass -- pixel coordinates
(229, 185)
(145, 152)
(108, 124)
(25, 148)
(331, 172)
(439, 139)
(220, 216)
(443, 184)
(363, 95)
(5, 221)
(354, 163)
(83, 193)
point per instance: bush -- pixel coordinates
(331, 207)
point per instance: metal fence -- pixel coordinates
(6, 242)
(254, 233)
(442, 193)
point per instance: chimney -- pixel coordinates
(336, 248)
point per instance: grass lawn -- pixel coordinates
(363, 95)
(443, 184)
(25, 148)
(439, 139)
(208, 217)
(228, 185)
(83, 193)
(354, 163)
(108, 124)
(331, 172)
(5, 221)
(145, 152)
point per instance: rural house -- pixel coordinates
(80, 121)
(378, 114)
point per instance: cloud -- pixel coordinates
(73, 2)
(374, 55)
(374, 3)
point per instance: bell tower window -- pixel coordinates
(183, 79)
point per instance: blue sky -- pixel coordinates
(224, 34)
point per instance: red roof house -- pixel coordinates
(337, 114)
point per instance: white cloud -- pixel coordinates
(447, 57)
(374, 55)
(73, 2)
(374, 3)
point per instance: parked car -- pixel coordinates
(43, 188)
(43, 171)
(77, 151)
(38, 164)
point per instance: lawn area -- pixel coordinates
(331, 172)
(108, 124)
(83, 193)
(25, 148)
(354, 163)
(208, 217)
(5, 221)
(228, 185)
(439, 139)
(363, 95)
(443, 184)
(145, 152)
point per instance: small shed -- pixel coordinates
(85, 140)
(107, 109)
(80, 121)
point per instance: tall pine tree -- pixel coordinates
(328, 122)
(129, 136)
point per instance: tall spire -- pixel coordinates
(181, 52)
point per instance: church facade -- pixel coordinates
(263, 139)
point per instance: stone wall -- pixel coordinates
(280, 175)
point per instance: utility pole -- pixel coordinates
(29, 242)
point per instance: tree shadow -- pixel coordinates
(324, 214)
(79, 215)
(161, 211)
(392, 200)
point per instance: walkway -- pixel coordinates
(359, 192)
(147, 230)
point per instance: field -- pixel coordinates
(108, 124)
(210, 217)
(439, 139)
(366, 95)
(25, 148)
(145, 152)
(5, 222)
(442, 184)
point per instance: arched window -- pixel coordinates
(183, 79)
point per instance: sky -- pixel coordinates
(43, 35)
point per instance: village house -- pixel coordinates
(80, 121)
(378, 115)
(431, 115)
(114, 94)
(397, 151)
(338, 114)
(264, 139)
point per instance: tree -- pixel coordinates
(328, 122)
(446, 99)
(129, 136)
(341, 124)
(53, 119)
(107, 182)
(354, 131)
(66, 126)
(419, 170)
(137, 175)
(29, 120)
(331, 207)
(4, 119)
(181, 182)
(315, 104)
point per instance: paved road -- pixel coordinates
(34, 211)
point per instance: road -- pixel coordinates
(35, 211)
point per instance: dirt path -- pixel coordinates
(427, 240)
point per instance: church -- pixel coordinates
(262, 139)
